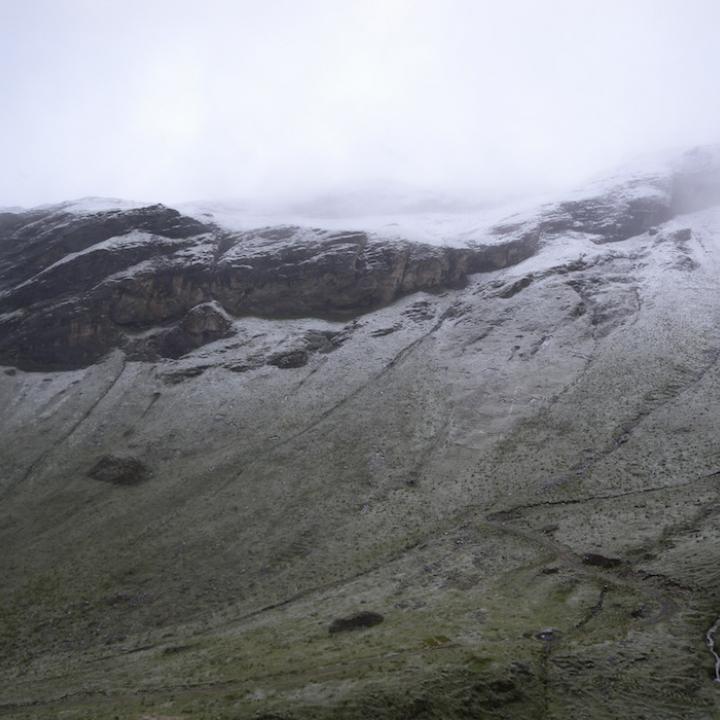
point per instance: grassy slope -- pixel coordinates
(450, 476)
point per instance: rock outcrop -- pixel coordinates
(83, 285)
(73, 286)
(119, 470)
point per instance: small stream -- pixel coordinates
(710, 640)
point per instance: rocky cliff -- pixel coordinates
(298, 473)
(75, 285)
(158, 284)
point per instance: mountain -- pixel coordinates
(298, 471)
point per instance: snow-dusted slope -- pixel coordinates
(489, 499)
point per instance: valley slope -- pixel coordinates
(295, 473)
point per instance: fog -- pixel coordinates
(285, 101)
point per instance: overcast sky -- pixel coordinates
(173, 100)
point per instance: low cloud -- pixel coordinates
(285, 102)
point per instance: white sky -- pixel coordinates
(176, 100)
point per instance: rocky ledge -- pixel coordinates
(157, 283)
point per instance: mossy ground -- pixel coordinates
(450, 477)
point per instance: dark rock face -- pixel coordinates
(75, 286)
(119, 470)
(516, 287)
(612, 218)
(632, 207)
(290, 359)
(158, 284)
(359, 621)
(342, 275)
(325, 341)
(32, 242)
(202, 324)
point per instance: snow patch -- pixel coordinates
(135, 238)
(444, 229)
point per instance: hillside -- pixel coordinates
(297, 472)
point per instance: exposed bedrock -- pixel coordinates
(75, 309)
(75, 286)
(618, 211)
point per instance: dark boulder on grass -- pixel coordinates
(119, 470)
(358, 621)
(601, 561)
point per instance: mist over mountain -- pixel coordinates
(359, 360)
(175, 101)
